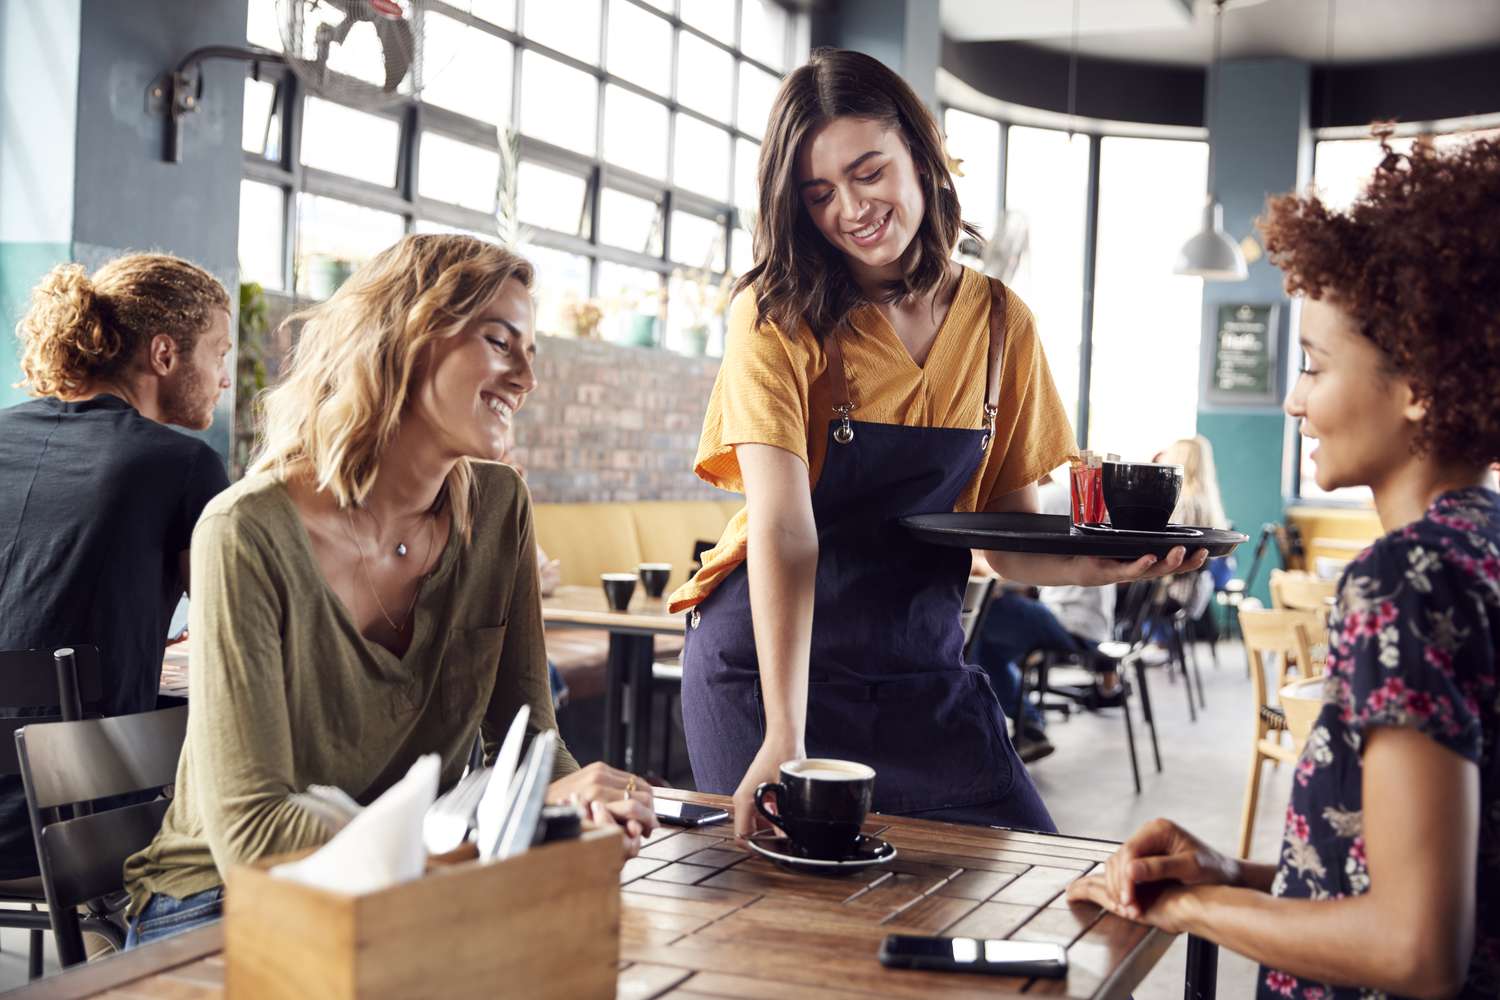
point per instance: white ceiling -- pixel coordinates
(1162, 31)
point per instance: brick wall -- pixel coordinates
(608, 422)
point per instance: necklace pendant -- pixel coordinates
(401, 548)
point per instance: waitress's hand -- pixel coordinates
(775, 750)
(1092, 571)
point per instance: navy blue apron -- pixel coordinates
(887, 683)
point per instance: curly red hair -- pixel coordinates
(1416, 262)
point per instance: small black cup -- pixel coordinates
(654, 577)
(1141, 496)
(619, 588)
(820, 804)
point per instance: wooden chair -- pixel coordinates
(1303, 591)
(1280, 634)
(64, 764)
(39, 685)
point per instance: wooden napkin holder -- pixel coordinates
(543, 924)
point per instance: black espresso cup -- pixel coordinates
(654, 577)
(820, 804)
(619, 588)
(1141, 495)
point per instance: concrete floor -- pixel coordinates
(1087, 786)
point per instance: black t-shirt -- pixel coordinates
(96, 505)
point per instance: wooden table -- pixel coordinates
(703, 917)
(630, 657)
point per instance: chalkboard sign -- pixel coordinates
(1245, 354)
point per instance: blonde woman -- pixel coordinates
(97, 495)
(1200, 502)
(368, 593)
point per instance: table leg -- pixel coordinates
(617, 670)
(1202, 969)
(642, 654)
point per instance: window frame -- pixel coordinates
(292, 177)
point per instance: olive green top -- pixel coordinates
(287, 693)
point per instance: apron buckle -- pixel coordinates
(990, 411)
(694, 618)
(844, 433)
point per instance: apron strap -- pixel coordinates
(842, 405)
(999, 297)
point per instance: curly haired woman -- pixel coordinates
(1389, 876)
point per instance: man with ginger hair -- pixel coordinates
(98, 497)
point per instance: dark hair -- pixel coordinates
(1414, 262)
(80, 329)
(798, 275)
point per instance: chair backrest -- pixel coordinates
(39, 685)
(65, 763)
(1277, 634)
(1296, 589)
(976, 600)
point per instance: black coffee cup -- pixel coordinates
(820, 804)
(1141, 495)
(654, 577)
(619, 588)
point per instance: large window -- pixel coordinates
(1147, 320)
(1046, 183)
(637, 128)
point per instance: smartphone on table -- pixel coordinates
(675, 813)
(964, 954)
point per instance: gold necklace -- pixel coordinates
(369, 582)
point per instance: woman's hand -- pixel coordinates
(1161, 851)
(548, 575)
(610, 795)
(766, 766)
(1168, 907)
(1091, 571)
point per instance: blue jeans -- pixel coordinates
(1014, 627)
(164, 915)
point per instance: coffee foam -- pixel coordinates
(824, 769)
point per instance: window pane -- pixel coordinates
(1147, 320)
(746, 180)
(705, 76)
(349, 142)
(635, 132)
(336, 236)
(757, 94)
(639, 44)
(697, 242)
(569, 26)
(712, 17)
(1046, 181)
(975, 141)
(631, 300)
(558, 103)
(701, 159)
(562, 283)
(629, 222)
(466, 70)
(763, 32)
(260, 233)
(457, 172)
(550, 198)
(741, 258)
(262, 26)
(260, 112)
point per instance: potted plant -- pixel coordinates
(249, 374)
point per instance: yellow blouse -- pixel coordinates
(776, 390)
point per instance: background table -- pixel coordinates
(703, 917)
(631, 654)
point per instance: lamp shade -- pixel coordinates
(1210, 253)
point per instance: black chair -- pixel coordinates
(68, 764)
(39, 685)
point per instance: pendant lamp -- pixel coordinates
(1210, 254)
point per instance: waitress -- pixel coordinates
(866, 377)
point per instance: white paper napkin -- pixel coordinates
(381, 846)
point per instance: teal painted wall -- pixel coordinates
(1248, 452)
(21, 267)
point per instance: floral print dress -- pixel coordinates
(1413, 642)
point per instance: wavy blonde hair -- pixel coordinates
(1200, 481)
(80, 329)
(343, 395)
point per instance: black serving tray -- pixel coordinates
(1054, 535)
